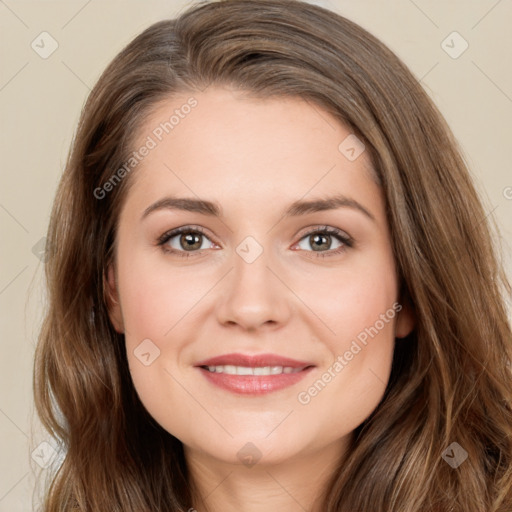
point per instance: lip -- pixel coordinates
(253, 361)
(254, 384)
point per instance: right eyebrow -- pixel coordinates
(185, 204)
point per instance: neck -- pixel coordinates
(295, 485)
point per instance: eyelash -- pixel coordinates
(342, 237)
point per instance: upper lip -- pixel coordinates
(253, 361)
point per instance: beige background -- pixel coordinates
(40, 101)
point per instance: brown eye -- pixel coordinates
(184, 240)
(322, 240)
(190, 241)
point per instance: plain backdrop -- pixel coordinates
(41, 97)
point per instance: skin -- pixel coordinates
(255, 157)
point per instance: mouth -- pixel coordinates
(253, 375)
(248, 370)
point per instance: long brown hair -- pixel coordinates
(451, 379)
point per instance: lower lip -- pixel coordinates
(254, 384)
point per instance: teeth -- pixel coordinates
(244, 370)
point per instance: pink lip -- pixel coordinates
(254, 384)
(253, 361)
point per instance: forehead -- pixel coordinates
(219, 141)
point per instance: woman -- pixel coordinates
(271, 282)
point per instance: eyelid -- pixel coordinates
(171, 233)
(315, 228)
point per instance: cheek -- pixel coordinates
(357, 308)
(152, 308)
(156, 297)
(158, 304)
(352, 299)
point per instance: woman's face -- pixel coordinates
(261, 277)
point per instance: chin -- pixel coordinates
(248, 450)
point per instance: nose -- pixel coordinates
(252, 295)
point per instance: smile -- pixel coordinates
(247, 370)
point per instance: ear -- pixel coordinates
(112, 299)
(406, 320)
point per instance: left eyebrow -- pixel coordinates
(297, 208)
(330, 203)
